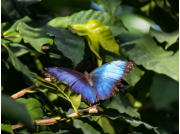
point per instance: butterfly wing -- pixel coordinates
(105, 77)
(74, 79)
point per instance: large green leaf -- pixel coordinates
(70, 45)
(169, 38)
(146, 52)
(15, 111)
(138, 25)
(122, 105)
(163, 91)
(131, 121)
(85, 127)
(82, 17)
(18, 65)
(36, 37)
(98, 35)
(33, 107)
(62, 90)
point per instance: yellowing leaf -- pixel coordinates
(98, 35)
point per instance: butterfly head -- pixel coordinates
(129, 66)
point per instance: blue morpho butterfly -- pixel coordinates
(100, 84)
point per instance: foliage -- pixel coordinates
(76, 34)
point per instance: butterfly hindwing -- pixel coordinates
(88, 93)
(105, 77)
(75, 80)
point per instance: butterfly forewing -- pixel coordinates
(105, 77)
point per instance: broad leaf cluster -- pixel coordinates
(83, 35)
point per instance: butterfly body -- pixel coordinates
(98, 85)
(88, 77)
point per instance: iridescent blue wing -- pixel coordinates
(75, 80)
(106, 77)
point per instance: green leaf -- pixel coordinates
(97, 35)
(18, 65)
(146, 52)
(13, 36)
(122, 105)
(109, 5)
(70, 45)
(136, 132)
(45, 132)
(131, 121)
(85, 127)
(12, 33)
(6, 128)
(18, 49)
(62, 90)
(59, 22)
(69, 95)
(169, 38)
(105, 123)
(83, 17)
(63, 132)
(136, 123)
(163, 91)
(13, 28)
(137, 24)
(4, 27)
(15, 111)
(33, 107)
(134, 76)
(36, 37)
(27, 3)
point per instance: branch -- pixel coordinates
(45, 47)
(38, 122)
(50, 121)
(90, 110)
(22, 92)
(12, 36)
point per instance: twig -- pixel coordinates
(37, 122)
(50, 121)
(17, 126)
(45, 47)
(12, 36)
(22, 92)
(90, 110)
